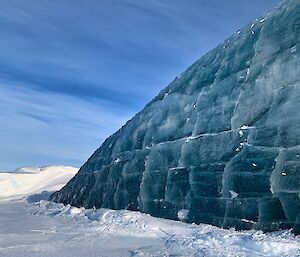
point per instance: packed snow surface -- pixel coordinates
(49, 229)
(29, 180)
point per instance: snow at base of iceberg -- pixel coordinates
(178, 238)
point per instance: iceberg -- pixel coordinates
(221, 142)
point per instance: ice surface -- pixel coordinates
(237, 105)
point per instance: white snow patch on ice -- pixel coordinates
(294, 49)
(177, 168)
(118, 160)
(245, 127)
(183, 214)
(248, 221)
(262, 20)
(233, 194)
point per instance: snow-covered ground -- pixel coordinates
(38, 228)
(28, 180)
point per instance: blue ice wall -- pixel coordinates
(220, 144)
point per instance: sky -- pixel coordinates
(72, 72)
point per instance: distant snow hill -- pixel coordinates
(29, 180)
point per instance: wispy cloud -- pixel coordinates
(95, 48)
(46, 128)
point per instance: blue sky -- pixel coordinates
(73, 71)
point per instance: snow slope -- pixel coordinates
(28, 180)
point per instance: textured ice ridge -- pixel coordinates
(222, 141)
